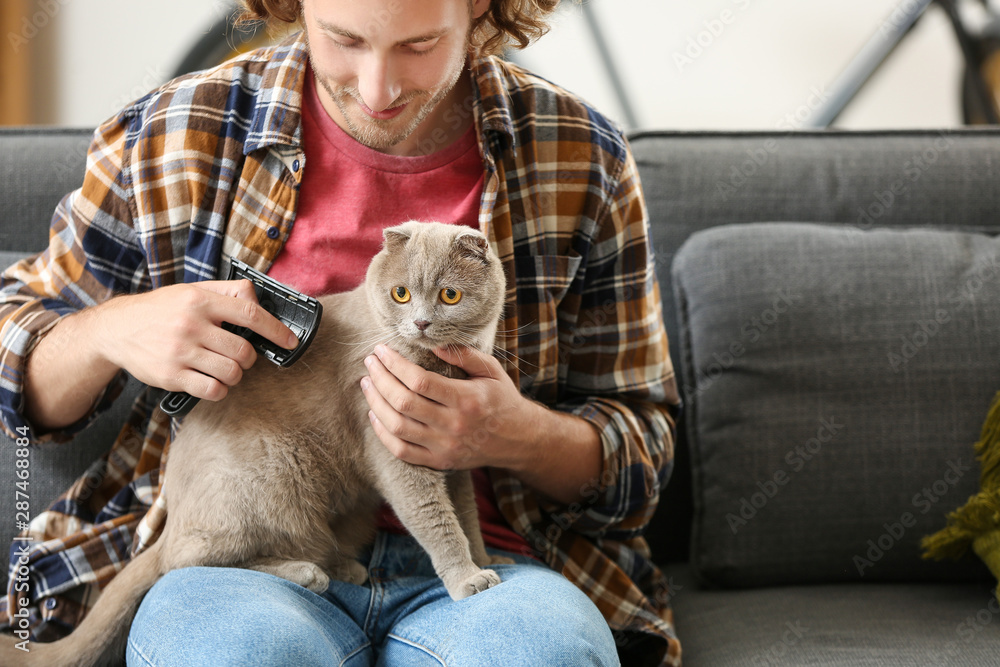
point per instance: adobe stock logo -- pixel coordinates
(38, 21)
(913, 169)
(796, 458)
(751, 331)
(923, 501)
(713, 29)
(982, 274)
(777, 653)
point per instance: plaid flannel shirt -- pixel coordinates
(208, 166)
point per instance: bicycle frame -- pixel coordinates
(878, 49)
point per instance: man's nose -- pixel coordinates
(378, 84)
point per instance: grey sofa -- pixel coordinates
(833, 305)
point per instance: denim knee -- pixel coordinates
(562, 622)
(224, 616)
(535, 617)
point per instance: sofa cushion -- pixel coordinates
(697, 180)
(835, 381)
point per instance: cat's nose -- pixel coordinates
(421, 324)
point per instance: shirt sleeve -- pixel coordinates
(620, 377)
(93, 253)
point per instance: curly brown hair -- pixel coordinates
(507, 23)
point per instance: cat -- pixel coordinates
(285, 475)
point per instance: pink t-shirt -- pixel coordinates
(349, 193)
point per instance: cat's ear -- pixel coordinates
(393, 237)
(473, 243)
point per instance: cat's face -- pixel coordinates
(434, 284)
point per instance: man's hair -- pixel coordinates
(507, 23)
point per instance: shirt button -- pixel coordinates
(50, 603)
(295, 166)
(272, 232)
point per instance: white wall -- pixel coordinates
(113, 51)
(769, 59)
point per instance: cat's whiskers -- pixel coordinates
(378, 337)
(463, 337)
(515, 330)
(456, 348)
(516, 361)
(510, 356)
(369, 337)
(395, 337)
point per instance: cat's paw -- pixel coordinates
(305, 574)
(350, 571)
(477, 583)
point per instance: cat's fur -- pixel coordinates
(285, 475)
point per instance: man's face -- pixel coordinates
(384, 66)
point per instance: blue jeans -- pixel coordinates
(401, 616)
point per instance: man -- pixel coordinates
(379, 111)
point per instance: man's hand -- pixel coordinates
(171, 338)
(426, 419)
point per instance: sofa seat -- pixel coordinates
(843, 624)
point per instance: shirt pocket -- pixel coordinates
(542, 283)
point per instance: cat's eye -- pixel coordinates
(400, 294)
(451, 296)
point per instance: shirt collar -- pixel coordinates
(494, 115)
(277, 114)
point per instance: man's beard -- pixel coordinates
(378, 133)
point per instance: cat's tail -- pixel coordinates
(100, 639)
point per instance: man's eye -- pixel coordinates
(422, 47)
(348, 44)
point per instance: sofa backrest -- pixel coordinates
(861, 180)
(697, 180)
(692, 182)
(38, 166)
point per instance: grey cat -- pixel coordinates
(286, 475)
